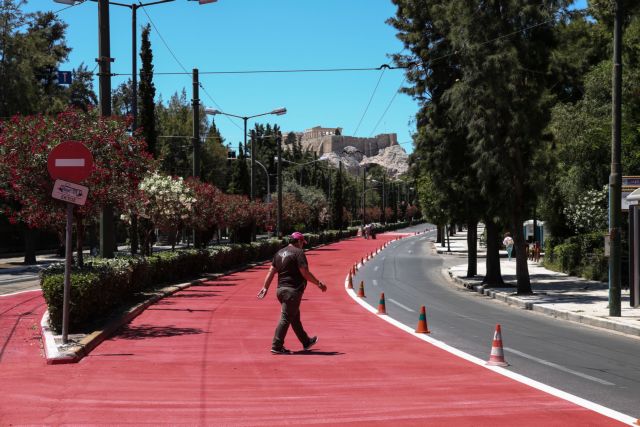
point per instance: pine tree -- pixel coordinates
(147, 93)
(81, 93)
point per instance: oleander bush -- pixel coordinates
(103, 285)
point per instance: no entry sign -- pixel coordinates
(70, 161)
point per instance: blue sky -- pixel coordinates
(238, 35)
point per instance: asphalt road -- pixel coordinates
(597, 365)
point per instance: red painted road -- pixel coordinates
(201, 357)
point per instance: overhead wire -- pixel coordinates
(455, 52)
(355, 133)
(180, 63)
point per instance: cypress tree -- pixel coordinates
(147, 93)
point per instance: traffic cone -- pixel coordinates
(361, 289)
(381, 306)
(350, 282)
(497, 355)
(422, 322)
(361, 261)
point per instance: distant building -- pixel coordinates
(321, 140)
(319, 131)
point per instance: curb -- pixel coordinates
(75, 352)
(551, 312)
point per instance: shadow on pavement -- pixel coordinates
(148, 331)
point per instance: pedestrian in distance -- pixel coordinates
(508, 244)
(292, 267)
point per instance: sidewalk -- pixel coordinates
(555, 294)
(201, 357)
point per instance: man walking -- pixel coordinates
(293, 273)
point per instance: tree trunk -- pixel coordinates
(493, 276)
(472, 244)
(448, 239)
(452, 229)
(29, 246)
(133, 234)
(79, 241)
(522, 268)
(438, 234)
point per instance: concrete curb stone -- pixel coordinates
(56, 353)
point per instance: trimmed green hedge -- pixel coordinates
(103, 285)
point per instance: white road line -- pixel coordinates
(608, 412)
(375, 282)
(20, 292)
(559, 367)
(400, 305)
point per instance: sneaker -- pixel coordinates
(280, 350)
(311, 343)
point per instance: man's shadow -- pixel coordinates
(316, 353)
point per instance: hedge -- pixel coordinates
(103, 285)
(581, 255)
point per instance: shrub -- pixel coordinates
(103, 285)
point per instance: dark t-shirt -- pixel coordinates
(287, 263)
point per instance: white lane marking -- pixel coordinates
(375, 282)
(400, 305)
(607, 412)
(375, 268)
(69, 162)
(559, 367)
(20, 292)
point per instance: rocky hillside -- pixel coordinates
(393, 158)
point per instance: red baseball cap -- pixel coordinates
(296, 235)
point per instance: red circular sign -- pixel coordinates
(70, 161)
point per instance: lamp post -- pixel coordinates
(107, 225)
(277, 112)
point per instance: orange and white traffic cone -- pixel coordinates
(350, 282)
(381, 306)
(497, 354)
(422, 322)
(361, 289)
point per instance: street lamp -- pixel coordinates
(277, 112)
(107, 223)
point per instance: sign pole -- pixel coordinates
(67, 276)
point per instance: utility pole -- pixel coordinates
(364, 189)
(384, 204)
(252, 183)
(279, 172)
(134, 66)
(196, 140)
(615, 179)
(196, 124)
(107, 227)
